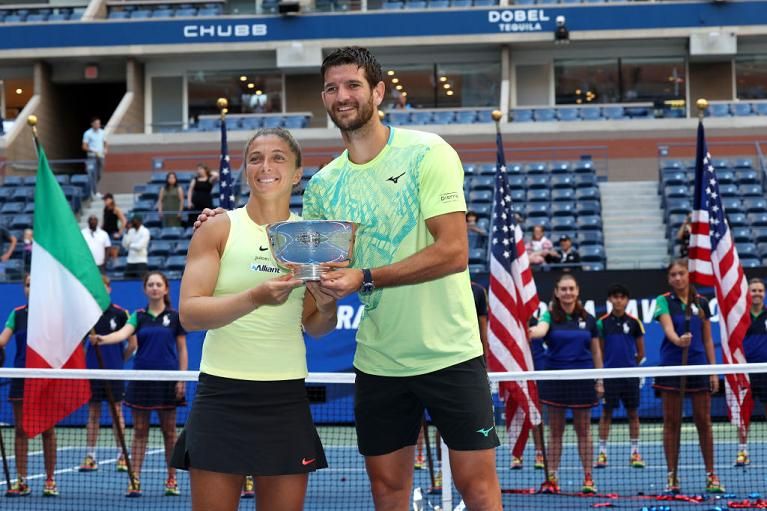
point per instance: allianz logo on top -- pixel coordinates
(224, 30)
(518, 20)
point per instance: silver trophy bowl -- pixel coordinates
(305, 246)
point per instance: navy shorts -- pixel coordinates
(695, 383)
(388, 410)
(16, 393)
(759, 386)
(619, 390)
(568, 393)
(260, 428)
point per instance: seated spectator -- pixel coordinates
(566, 253)
(539, 246)
(471, 223)
(5, 235)
(683, 235)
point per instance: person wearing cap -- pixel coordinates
(566, 253)
(136, 242)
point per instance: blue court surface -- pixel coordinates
(344, 485)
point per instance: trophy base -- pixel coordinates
(308, 272)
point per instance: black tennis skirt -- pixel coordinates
(153, 395)
(259, 428)
(568, 393)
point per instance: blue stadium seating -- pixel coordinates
(760, 108)
(544, 114)
(613, 112)
(521, 115)
(567, 114)
(718, 110)
(741, 109)
(591, 113)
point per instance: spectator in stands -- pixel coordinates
(113, 356)
(477, 235)
(95, 145)
(401, 102)
(572, 341)
(27, 249)
(16, 326)
(160, 344)
(200, 194)
(136, 241)
(98, 242)
(685, 316)
(170, 203)
(755, 350)
(539, 246)
(683, 235)
(113, 223)
(566, 253)
(5, 255)
(251, 414)
(622, 339)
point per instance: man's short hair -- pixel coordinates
(618, 289)
(355, 55)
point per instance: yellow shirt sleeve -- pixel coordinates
(441, 182)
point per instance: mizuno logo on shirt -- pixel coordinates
(486, 431)
(395, 179)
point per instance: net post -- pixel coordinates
(447, 479)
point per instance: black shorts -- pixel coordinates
(16, 392)
(260, 428)
(759, 386)
(99, 392)
(153, 395)
(695, 383)
(388, 410)
(568, 393)
(621, 389)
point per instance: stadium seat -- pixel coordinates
(189, 12)
(13, 181)
(560, 167)
(562, 181)
(591, 113)
(10, 208)
(737, 219)
(175, 263)
(672, 164)
(485, 116)
(544, 114)
(732, 205)
(37, 17)
(562, 194)
(208, 124)
(485, 3)
(741, 109)
(613, 112)
(444, 117)
(568, 114)
(590, 193)
(523, 115)
(674, 113)
(475, 269)
(538, 195)
(118, 15)
(30, 181)
(755, 205)
(741, 234)
(589, 222)
(163, 13)
(750, 191)
(415, 4)
(460, 3)
(728, 190)
(725, 176)
(515, 181)
(757, 219)
(536, 168)
(537, 209)
(680, 206)
(480, 183)
(171, 233)
(564, 208)
(593, 266)
(718, 110)
(463, 117)
(720, 164)
(588, 207)
(563, 223)
(439, 4)
(747, 249)
(585, 180)
(152, 219)
(759, 235)
(483, 196)
(584, 238)
(20, 222)
(750, 262)
(161, 248)
(674, 179)
(678, 192)
(538, 182)
(760, 108)
(487, 169)
(477, 256)
(518, 195)
(293, 122)
(592, 253)
(762, 248)
(482, 210)
(399, 118)
(140, 14)
(275, 121)
(583, 166)
(746, 177)
(392, 5)
(181, 247)
(58, 17)
(420, 117)
(637, 112)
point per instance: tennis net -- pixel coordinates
(622, 481)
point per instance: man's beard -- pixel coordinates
(364, 114)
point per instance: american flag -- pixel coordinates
(513, 300)
(226, 189)
(714, 263)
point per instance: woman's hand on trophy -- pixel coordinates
(326, 303)
(274, 291)
(207, 213)
(341, 282)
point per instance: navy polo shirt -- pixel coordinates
(569, 342)
(156, 339)
(670, 353)
(113, 319)
(620, 337)
(755, 341)
(17, 322)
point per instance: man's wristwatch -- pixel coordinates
(367, 281)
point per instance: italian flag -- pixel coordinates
(66, 299)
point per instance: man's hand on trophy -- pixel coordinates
(274, 291)
(326, 303)
(206, 213)
(341, 282)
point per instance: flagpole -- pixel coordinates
(497, 115)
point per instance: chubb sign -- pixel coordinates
(224, 30)
(518, 20)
